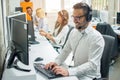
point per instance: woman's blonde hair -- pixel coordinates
(40, 13)
(65, 16)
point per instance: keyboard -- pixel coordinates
(48, 73)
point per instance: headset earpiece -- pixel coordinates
(89, 16)
(89, 12)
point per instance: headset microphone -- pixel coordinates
(84, 25)
(80, 27)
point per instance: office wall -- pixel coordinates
(38, 4)
(119, 5)
(12, 5)
(51, 19)
(2, 47)
(113, 7)
(111, 11)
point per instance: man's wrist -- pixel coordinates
(46, 35)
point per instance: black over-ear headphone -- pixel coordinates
(89, 12)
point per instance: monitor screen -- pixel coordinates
(118, 17)
(18, 38)
(31, 34)
(95, 13)
(19, 16)
(19, 9)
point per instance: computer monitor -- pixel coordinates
(118, 17)
(95, 13)
(18, 41)
(18, 9)
(31, 33)
(96, 16)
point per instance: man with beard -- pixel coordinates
(87, 45)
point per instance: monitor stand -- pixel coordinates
(12, 62)
(19, 68)
(34, 42)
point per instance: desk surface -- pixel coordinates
(44, 50)
(115, 28)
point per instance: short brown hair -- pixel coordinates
(28, 8)
(27, 0)
(87, 10)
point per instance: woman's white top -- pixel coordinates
(60, 38)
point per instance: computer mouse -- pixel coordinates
(38, 59)
(119, 28)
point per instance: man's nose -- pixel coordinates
(75, 21)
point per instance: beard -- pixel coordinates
(81, 25)
(77, 26)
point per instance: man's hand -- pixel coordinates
(43, 33)
(50, 65)
(60, 70)
(41, 30)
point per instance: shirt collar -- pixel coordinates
(87, 30)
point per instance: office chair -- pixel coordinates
(70, 29)
(57, 47)
(106, 29)
(105, 60)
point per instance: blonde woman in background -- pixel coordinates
(39, 20)
(61, 29)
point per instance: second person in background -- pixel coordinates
(39, 20)
(60, 30)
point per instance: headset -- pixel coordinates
(88, 13)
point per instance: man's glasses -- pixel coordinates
(77, 17)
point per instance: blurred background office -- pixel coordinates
(103, 11)
(106, 9)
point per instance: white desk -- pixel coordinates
(44, 50)
(117, 32)
(115, 28)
